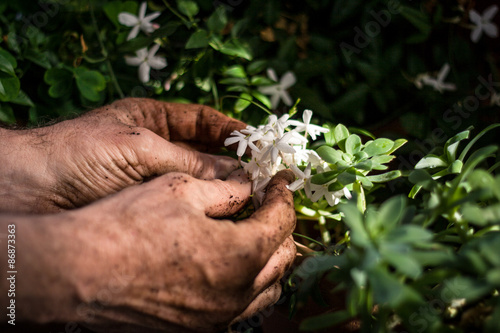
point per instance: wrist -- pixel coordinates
(39, 272)
(23, 171)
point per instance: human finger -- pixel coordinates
(176, 121)
(273, 222)
(268, 297)
(278, 264)
(216, 198)
(156, 156)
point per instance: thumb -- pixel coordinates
(158, 156)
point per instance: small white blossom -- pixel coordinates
(302, 176)
(245, 138)
(307, 127)
(279, 145)
(333, 198)
(279, 91)
(140, 22)
(483, 23)
(437, 83)
(275, 147)
(146, 60)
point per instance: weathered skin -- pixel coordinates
(78, 161)
(134, 234)
(153, 256)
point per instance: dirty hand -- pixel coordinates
(160, 256)
(75, 162)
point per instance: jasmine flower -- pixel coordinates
(140, 22)
(146, 60)
(483, 23)
(279, 91)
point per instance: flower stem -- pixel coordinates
(105, 53)
(189, 24)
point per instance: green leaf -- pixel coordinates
(90, 83)
(234, 81)
(59, 80)
(476, 138)
(218, 20)
(198, 39)
(256, 67)
(9, 87)
(329, 154)
(388, 289)
(7, 114)
(397, 144)
(114, 8)
(391, 212)
(418, 18)
(385, 177)
(324, 320)
(235, 71)
(353, 144)
(235, 48)
(22, 99)
(347, 177)
(430, 162)
(7, 63)
(243, 102)
(261, 98)
(410, 234)
(378, 147)
(261, 81)
(340, 133)
(188, 7)
(354, 220)
(324, 177)
(451, 144)
(365, 165)
(402, 262)
(455, 167)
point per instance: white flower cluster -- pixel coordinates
(274, 147)
(144, 58)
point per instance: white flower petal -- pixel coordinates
(490, 12)
(157, 62)
(476, 34)
(133, 33)
(288, 80)
(153, 50)
(286, 98)
(229, 141)
(151, 16)
(272, 74)
(133, 61)
(144, 72)
(275, 99)
(127, 19)
(475, 17)
(443, 72)
(491, 30)
(242, 147)
(306, 116)
(142, 10)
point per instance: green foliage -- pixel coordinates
(379, 248)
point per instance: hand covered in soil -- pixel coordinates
(75, 162)
(159, 256)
